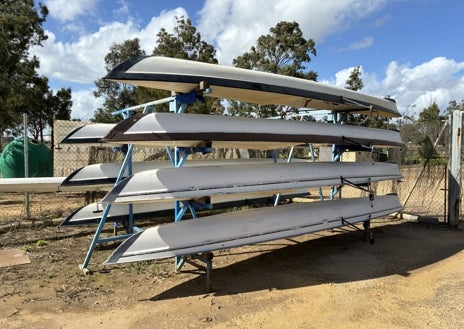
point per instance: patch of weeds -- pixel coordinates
(141, 267)
(51, 214)
(54, 257)
(41, 243)
(27, 248)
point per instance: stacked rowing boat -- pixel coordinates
(158, 187)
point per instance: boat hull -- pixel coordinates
(253, 226)
(191, 182)
(251, 86)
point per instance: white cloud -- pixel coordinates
(361, 44)
(438, 80)
(82, 61)
(84, 104)
(123, 8)
(234, 25)
(65, 10)
(414, 88)
(342, 76)
(166, 20)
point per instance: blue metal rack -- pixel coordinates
(126, 166)
(178, 104)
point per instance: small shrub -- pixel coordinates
(41, 243)
(27, 248)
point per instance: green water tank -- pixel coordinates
(12, 159)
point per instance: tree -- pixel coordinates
(117, 95)
(61, 104)
(283, 51)
(354, 81)
(37, 108)
(429, 125)
(20, 29)
(453, 105)
(184, 43)
(430, 121)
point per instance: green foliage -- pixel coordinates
(426, 150)
(22, 90)
(27, 248)
(141, 267)
(354, 81)
(422, 133)
(184, 43)
(283, 51)
(117, 95)
(453, 105)
(61, 104)
(20, 29)
(430, 120)
(41, 243)
(431, 114)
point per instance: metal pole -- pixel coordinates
(26, 166)
(454, 177)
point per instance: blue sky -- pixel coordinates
(408, 49)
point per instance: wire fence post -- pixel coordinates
(454, 177)
(26, 166)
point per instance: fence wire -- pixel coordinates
(422, 188)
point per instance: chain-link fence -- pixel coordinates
(422, 190)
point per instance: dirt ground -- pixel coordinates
(411, 277)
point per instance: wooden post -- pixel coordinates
(454, 177)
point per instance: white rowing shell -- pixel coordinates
(246, 85)
(92, 213)
(103, 175)
(191, 182)
(217, 131)
(247, 227)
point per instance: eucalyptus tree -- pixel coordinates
(284, 51)
(116, 96)
(20, 29)
(185, 42)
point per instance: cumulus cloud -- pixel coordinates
(84, 104)
(235, 25)
(82, 61)
(361, 44)
(438, 80)
(414, 88)
(65, 10)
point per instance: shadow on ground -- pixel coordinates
(336, 258)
